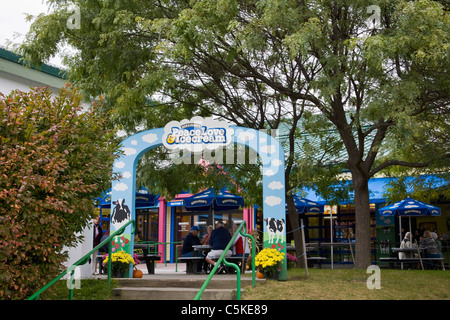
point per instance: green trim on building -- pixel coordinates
(45, 68)
(48, 75)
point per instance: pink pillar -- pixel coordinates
(248, 217)
(162, 228)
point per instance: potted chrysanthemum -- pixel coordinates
(268, 261)
(120, 263)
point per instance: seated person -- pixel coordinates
(406, 244)
(240, 246)
(220, 237)
(205, 239)
(429, 246)
(191, 240)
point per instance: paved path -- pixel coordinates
(168, 271)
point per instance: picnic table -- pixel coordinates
(311, 259)
(204, 248)
(199, 254)
(196, 258)
(413, 260)
(149, 258)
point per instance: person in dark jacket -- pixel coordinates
(220, 237)
(98, 232)
(191, 240)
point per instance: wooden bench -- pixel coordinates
(150, 261)
(394, 260)
(191, 263)
(312, 260)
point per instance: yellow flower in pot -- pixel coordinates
(268, 261)
(120, 262)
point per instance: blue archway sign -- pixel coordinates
(196, 135)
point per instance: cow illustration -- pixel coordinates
(121, 212)
(275, 227)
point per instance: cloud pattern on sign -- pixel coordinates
(131, 147)
(268, 151)
(265, 146)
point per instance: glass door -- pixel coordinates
(147, 225)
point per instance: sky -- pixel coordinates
(13, 26)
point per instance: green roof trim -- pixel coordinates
(45, 68)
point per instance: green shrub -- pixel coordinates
(55, 158)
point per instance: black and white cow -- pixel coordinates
(275, 227)
(121, 212)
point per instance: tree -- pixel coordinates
(55, 158)
(378, 85)
(261, 64)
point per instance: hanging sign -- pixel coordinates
(196, 134)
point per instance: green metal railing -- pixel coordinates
(71, 270)
(229, 264)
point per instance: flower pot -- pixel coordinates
(118, 273)
(272, 275)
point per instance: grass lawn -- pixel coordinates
(350, 284)
(90, 289)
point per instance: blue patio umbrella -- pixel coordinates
(409, 208)
(143, 199)
(207, 199)
(304, 205)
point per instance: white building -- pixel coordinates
(15, 75)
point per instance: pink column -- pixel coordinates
(162, 228)
(248, 217)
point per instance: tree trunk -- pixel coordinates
(362, 221)
(298, 240)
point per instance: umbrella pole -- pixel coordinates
(410, 230)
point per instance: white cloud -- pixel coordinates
(119, 164)
(120, 187)
(275, 185)
(127, 175)
(129, 151)
(246, 135)
(150, 138)
(277, 162)
(269, 173)
(134, 142)
(268, 149)
(272, 200)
